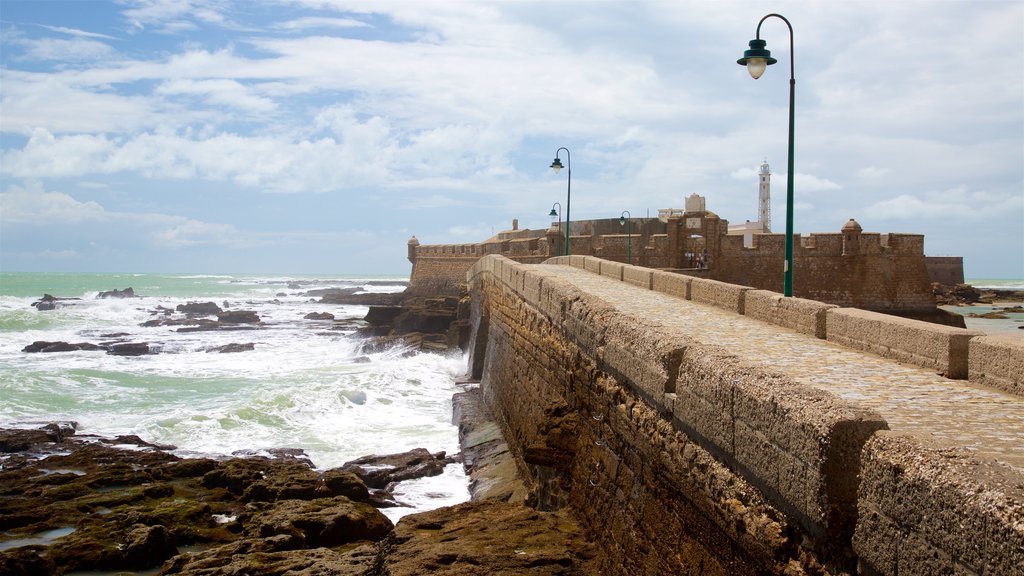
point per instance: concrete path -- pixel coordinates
(911, 399)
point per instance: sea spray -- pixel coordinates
(304, 384)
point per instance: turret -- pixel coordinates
(413, 245)
(851, 238)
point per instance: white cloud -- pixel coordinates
(321, 22)
(228, 93)
(957, 203)
(32, 204)
(77, 32)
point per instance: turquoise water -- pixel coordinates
(306, 384)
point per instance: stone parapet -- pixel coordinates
(997, 361)
(933, 346)
(725, 296)
(806, 316)
(799, 446)
(638, 276)
(925, 510)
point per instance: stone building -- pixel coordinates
(850, 267)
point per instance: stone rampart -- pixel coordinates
(997, 361)
(679, 457)
(933, 346)
(634, 409)
(925, 510)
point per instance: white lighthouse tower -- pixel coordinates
(764, 197)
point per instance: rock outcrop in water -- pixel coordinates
(70, 503)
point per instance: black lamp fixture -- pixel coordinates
(624, 219)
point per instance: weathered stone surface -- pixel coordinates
(130, 349)
(233, 348)
(238, 317)
(199, 308)
(319, 316)
(323, 522)
(487, 538)
(380, 471)
(115, 293)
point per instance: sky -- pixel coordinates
(319, 136)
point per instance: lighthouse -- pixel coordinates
(764, 198)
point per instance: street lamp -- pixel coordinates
(556, 165)
(756, 59)
(624, 220)
(556, 214)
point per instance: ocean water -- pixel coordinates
(305, 385)
(1009, 326)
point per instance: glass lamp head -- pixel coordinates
(757, 58)
(553, 214)
(556, 165)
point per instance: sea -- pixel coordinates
(305, 384)
(1013, 322)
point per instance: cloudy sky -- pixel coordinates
(318, 136)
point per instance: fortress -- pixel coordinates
(852, 268)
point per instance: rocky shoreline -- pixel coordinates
(71, 503)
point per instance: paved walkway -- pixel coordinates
(951, 412)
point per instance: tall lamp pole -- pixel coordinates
(556, 165)
(756, 59)
(624, 219)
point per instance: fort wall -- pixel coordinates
(680, 457)
(882, 272)
(946, 270)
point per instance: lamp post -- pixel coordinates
(556, 214)
(556, 165)
(624, 220)
(756, 59)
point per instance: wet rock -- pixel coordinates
(319, 316)
(130, 349)
(126, 293)
(199, 308)
(232, 348)
(269, 557)
(365, 299)
(147, 545)
(487, 538)
(380, 471)
(382, 315)
(50, 302)
(42, 346)
(238, 317)
(324, 522)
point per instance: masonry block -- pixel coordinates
(592, 264)
(637, 276)
(802, 315)
(612, 269)
(676, 285)
(997, 361)
(726, 296)
(942, 509)
(932, 346)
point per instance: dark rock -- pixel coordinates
(130, 349)
(126, 293)
(148, 545)
(199, 308)
(238, 317)
(380, 471)
(233, 347)
(487, 538)
(365, 299)
(274, 559)
(324, 522)
(25, 561)
(319, 316)
(49, 302)
(382, 315)
(41, 346)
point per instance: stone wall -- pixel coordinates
(679, 458)
(927, 510)
(883, 272)
(946, 270)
